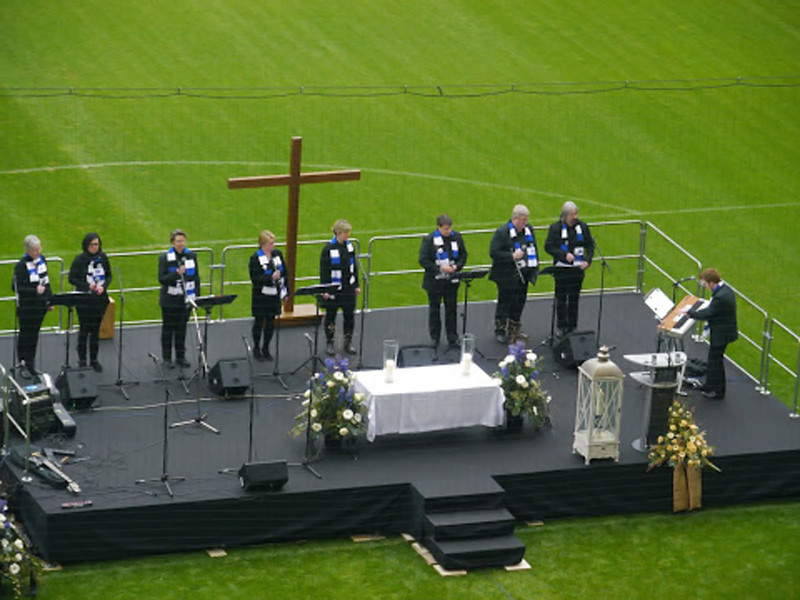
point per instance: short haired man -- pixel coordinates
(442, 254)
(720, 314)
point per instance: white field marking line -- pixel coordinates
(498, 186)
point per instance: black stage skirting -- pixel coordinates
(120, 441)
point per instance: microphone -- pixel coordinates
(153, 356)
(680, 281)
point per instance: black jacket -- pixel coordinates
(26, 284)
(81, 271)
(504, 270)
(349, 279)
(554, 241)
(262, 279)
(427, 259)
(721, 316)
(170, 279)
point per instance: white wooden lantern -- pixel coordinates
(599, 408)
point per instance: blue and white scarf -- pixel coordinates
(37, 271)
(270, 264)
(336, 263)
(578, 251)
(531, 259)
(96, 272)
(191, 271)
(445, 257)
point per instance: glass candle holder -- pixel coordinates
(467, 352)
(390, 351)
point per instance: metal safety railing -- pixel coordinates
(655, 255)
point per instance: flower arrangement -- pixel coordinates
(519, 377)
(16, 561)
(335, 409)
(683, 443)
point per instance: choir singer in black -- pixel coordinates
(571, 245)
(515, 263)
(269, 276)
(442, 254)
(91, 272)
(32, 286)
(179, 277)
(337, 264)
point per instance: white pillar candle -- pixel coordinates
(466, 363)
(388, 370)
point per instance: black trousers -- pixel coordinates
(345, 302)
(510, 302)
(448, 293)
(30, 322)
(263, 326)
(568, 293)
(89, 318)
(715, 375)
(173, 331)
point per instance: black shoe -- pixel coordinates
(98, 368)
(169, 364)
(561, 332)
(182, 363)
(350, 349)
(266, 355)
(330, 349)
(81, 364)
(257, 355)
(712, 395)
(501, 337)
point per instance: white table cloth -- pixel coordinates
(429, 399)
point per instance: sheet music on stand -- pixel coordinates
(659, 303)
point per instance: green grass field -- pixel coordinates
(127, 119)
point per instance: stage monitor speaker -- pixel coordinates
(230, 377)
(78, 387)
(574, 348)
(264, 475)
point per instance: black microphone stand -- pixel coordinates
(317, 291)
(120, 383)
(201, 369)
(249, 351)
(306, 462)
(468, 277)
(603, 267)
(165, 476)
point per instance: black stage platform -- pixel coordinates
(119, 441)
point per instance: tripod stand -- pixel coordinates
(317, 291)
(200, 371)
(306, 462)
(165, 476)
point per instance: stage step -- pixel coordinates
(477, 553)
(443, 495)
(465, 525)
(469, 524)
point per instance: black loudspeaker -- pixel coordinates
(230, 377)
(78, 387)
(264, 475)
(574, 348)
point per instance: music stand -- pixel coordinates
(468, 277)
(317, 291)
(70, 300)
(554, 271)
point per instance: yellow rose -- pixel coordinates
(672, 427)
(661, 439)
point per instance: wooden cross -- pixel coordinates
(294, 180)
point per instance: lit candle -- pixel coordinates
(466, 363)
(388, 370)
